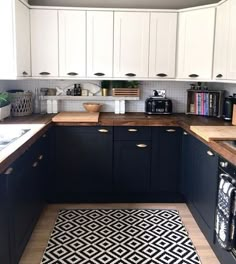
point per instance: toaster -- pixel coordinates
(158, 104)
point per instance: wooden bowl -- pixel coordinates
(92, 107)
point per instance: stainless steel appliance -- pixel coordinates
(158, 103)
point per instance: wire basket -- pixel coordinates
(21, 103)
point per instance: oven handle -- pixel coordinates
(228, 177)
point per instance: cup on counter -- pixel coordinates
(44, 91)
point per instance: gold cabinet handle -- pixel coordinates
(9, 171)
(210, 153)
(40, 157)
(103, 130)
(35, 164)
(170, 130)
(141, 145)
(133, 130)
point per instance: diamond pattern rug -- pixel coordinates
(115, 236)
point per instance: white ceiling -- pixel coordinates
(168, 4)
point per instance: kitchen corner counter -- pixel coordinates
(129, 119)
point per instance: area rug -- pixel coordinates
(127, 236)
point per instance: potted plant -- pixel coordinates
(5, 106)
(125, 88)
(105, 86)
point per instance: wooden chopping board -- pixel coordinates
(215, 132)
(76, 117)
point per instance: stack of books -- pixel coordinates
(206, 103)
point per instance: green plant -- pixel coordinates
(4, 99)
(105, 84)
(119, 84)
(133, 84)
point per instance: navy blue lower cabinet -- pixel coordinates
(132, 169)
(201, 179)
(166, 164)
(82, 164)
(4, 223)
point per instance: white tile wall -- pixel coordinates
(176, 91)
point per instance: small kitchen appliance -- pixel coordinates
(158, 103)
(228, 107)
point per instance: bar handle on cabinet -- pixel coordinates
(210, 153)
(185, 133)
(9, 171)
(219, 76)
(45, 73)
(162, 75)
(133, 130)
(44, 135)
(103, 130)
(40, 157)
(72, 73)
(130, 74)
(170, 130)
(99, 74)
(224, 164)
(193, 75)
(25, 73)
(141, 145)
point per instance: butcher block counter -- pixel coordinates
(111, 119)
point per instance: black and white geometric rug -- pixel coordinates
(114, 236)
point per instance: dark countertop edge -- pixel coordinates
(129, 119)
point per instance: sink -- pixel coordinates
(9, 135)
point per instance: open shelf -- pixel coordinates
(90, 98)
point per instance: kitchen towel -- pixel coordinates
(225, 212)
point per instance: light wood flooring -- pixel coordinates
(35, 248)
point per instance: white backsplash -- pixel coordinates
(176, 91)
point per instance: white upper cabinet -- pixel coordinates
(221, 41)
(163, 27)
(44, 43)
(195, 43)
(72, 43)
(22, 22)
(99, 43)
(131, 44)
(231, 61)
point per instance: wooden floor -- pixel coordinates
(35, 248)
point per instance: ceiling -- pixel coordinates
(162, 4)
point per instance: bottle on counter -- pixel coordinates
(77, 90)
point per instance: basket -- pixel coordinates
(21, 103)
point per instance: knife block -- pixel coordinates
(234, 115)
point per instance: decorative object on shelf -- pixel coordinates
(205, 102)
(125, 88)
(21, 103)
(5, 106)
(92, 107)
(105, 86)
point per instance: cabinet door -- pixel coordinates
(131, 44)
(83, 163)
(195, 44)
(7, 58)
(221, 41)
(132, 166)
(99, 43)
(4, 223)
(44, 42)
(163, 28)
(72, 42)
(165, 174)
(231, 65)
(22, 39)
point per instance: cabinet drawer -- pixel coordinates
(132, 133)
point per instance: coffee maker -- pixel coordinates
(228, 107)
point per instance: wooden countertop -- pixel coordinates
(128, 119)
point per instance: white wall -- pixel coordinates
(172, 4)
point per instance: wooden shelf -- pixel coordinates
(90, 98)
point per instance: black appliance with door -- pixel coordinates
(228, 107)
(227, 170)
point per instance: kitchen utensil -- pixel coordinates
(92, 107)
(71, 117)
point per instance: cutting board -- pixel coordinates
(76, 117)
(215, 132)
